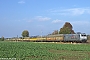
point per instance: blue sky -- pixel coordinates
(43, 15)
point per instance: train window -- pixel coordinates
(83, 35)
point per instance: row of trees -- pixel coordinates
(66, 29)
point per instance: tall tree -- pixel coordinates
(67, 29)
(25, 33)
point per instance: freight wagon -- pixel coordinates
(58, 37)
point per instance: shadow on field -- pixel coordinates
(70, 55)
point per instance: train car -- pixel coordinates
(50, 38)
(41, 39)
(33, 39)
(58, 37)
(75, 37)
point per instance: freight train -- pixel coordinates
(58, 38)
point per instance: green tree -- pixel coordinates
(65, 30)
(25, 33)
(2, 38)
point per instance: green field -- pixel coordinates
(44, 51)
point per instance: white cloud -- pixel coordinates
(71, 11)
(21, 2)
(81, 23)
(57, 21)
(78, 22)
(76, 11)
(40, 18)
